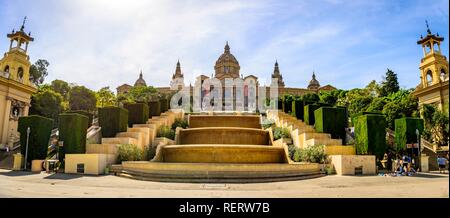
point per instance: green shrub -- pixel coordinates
(297, 157)
(112, 120)
(164, 105)
(291, 150)
(267, 123)
(313, 154)
(129, 152)
(85, 113)
(309, 113)
(370, 134)
(167, 132)
(154, 108)
(137, 113)
(405, 131)
(182, 123)
(40, 130)
(331, 120)
(279, 133)
(72, 131)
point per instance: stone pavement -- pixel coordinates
(25, 184)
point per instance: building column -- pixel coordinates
(4, 129)
(26, 109)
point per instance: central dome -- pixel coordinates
(227, 65)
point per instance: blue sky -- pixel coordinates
(347, 43)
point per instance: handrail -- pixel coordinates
(428, 145)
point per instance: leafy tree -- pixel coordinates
(61, 87)
(105, 97)
(46, 102)
(373, 88)
(400, 104)
(143, 93)
(38, 71)
(356, 100)
(436, 125)
(329, 97)
(82, 98)
(390, 84)
(311, 97)
(377, 104)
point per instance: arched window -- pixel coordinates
(443, 75)
(6, 69)
(429, 78)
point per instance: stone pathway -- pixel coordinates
(24, 184)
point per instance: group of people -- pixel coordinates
(405, 165)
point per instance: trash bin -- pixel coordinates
(18, 161)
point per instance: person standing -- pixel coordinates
(441, 162)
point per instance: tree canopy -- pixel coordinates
(82, 98)
(38, 71)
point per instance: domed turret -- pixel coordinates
(227, 65)
(314, 84)
(140, 81)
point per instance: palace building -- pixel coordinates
(433, 86)
(227, 66)
(15, 85)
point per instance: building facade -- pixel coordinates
(227, 66)
(433, 87)
(15, 85)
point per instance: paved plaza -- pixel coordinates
(25, 184)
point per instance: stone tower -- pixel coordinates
(177, 77)
(277, 75)
(15, 85)
(433, 87)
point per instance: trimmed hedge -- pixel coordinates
(112, 120)
(38, 141)
(72, 131)
(298, 108)
(154, 108)
(137, 113)
(331, 120)
(85, 113)
(287, 103)
(346, 123)
(370, 134)
(309, 113)
(362, 113)
(405, 131)
(164, 105)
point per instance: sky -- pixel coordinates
(347, 43)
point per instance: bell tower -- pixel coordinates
(16, 63)
(433, 87)
(15, 85)
(433, 66)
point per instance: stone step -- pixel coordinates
(317, 135)
(314, 141)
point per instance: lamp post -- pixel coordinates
(418, 148)
(26, 148)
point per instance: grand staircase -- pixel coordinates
(304, 136)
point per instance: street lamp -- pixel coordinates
(26, 148)
(418, 148)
